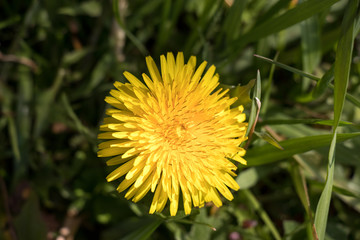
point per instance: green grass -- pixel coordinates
(58, 60)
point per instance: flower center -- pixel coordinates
(180, 130)
(175, 135)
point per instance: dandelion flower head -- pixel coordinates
(174, 135)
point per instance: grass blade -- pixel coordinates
(310, 45)
(286, 67)
(322, 209)
(167, 22)
(341, 78)
(269, 154)
(254, 108)
(343, 61)
(45, 101)
(289, 18)
(131, 36)
(209, 10)
(76, 121)
(232, 24)
(264, 216)
(323, 84)
(299, 182)
(302, 121)
(348, 96)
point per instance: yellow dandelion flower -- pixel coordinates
(173, 135)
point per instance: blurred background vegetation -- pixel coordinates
(58, 60)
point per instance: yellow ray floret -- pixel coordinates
(173, 135)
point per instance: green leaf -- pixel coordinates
(248, 178)
(29, 223)
(270, 139)
(8, 22)
(90, 8)
(241, 92)
(75, 56)
(202, 226)
(268, 154)
(144, 229)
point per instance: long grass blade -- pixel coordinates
(348, 96)
(302, 191)
(289, 18)
(310, 45)
(341, 78)
(343, 61)
(322, 209)
(302, 121)
(129, 34)
(269, 154)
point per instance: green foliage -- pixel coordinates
(256, 156)
(29, 224)
(341, 79)
(59, 59)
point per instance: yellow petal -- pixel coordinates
(154, 72)
(174, 203)
(171, 65)
(239, 159)
(115, 161)
(142, 190)
(134, 81)
(112, 151)
(155, 199)
(120, 171)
